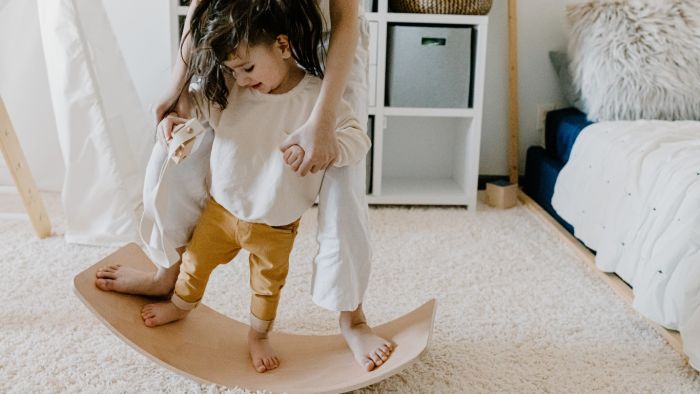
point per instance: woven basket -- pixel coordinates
(464, 7)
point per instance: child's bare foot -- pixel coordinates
(160, 313)
(132, 281)
(263, 356)
(370, 349)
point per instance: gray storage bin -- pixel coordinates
(428, 66)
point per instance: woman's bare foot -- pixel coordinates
(370, 349)
(132, 281)
(160, 313)
(263, 356)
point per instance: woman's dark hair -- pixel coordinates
(218, 27)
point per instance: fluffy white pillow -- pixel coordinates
(636, 59)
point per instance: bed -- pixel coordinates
(630, 192)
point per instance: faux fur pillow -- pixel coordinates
(636, 59)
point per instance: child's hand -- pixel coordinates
(294, 156)
(166, 126)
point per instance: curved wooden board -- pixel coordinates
(211, 348)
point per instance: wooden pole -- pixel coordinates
(14, 157)
(513, 116)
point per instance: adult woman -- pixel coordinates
(342, 266)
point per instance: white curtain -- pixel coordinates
(104, 133)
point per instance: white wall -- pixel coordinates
(142, 29)
(541, 28)
(25, 91)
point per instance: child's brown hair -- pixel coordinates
(218, 27)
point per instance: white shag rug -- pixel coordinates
(517, 312)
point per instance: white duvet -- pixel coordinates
(631, 190)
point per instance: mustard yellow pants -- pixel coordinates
(217, 239)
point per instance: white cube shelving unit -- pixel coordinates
(426, 156)
(420, 156)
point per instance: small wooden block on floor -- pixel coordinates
(211, 348)
(501, 195)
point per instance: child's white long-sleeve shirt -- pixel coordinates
(249, 175)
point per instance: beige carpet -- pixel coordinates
(517, 312)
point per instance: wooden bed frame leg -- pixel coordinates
(22, 176)
(513, 109)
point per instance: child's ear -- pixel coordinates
(282, 42)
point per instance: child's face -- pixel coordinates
(262, 67)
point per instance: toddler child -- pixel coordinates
(257, 200)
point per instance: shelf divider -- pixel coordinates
(430, 112)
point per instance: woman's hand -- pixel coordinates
(166, 126)
(318, 141)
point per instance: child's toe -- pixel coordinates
(259, 366)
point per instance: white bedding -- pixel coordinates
(631, 190)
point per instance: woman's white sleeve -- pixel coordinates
(353, 142)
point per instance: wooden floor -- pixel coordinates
(614, 281)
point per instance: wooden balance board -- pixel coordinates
(211, 348)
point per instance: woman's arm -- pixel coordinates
(341, 52)
(173, 100)
(353, 142)
(317, 136)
